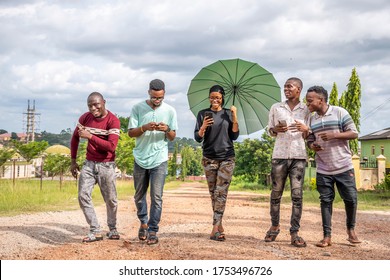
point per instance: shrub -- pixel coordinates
(384, 185)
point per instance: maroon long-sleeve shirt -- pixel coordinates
(105, 135)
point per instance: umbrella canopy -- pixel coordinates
(247, 85)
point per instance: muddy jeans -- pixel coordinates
(102, 173)
(346, 186)
(295, 169)
(219, 175)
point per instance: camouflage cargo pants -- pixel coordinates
(219, 175)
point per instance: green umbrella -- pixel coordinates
(247, 85)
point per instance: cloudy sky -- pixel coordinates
(57, 52)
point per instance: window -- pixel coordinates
(373, 150)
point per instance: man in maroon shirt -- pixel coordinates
(101, 128)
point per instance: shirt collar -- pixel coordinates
(300, 105)
(327, 113)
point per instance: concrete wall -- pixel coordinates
(366, 178)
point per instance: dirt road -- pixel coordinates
(184, 233)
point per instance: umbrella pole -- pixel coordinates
(234, 93)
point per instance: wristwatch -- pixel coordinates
(169, 129)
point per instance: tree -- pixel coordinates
(2, 131)
(82, 152)
(124, 153)
(334, 95)
(342, 99)
(124, 123)
(190, 162)
(350, 101)
(30, 150)
(57, 164)
(14, 136)
(172, 163)
(5, 155)
(185, 153)
(56, 139)
(253, 158)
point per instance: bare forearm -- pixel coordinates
(171, 135)
(346, 135)
(136, 132)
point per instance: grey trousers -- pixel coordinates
(103, 174)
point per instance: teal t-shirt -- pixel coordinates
(151, 148)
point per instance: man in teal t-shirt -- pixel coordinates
(152, 122)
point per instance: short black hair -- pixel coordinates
(156, 84)
(320, 91)
(295, 79)
(218, 88)
(95, 93)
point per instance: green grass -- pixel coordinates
(367, 200)
(27, 197)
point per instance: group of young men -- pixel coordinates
(324, 128)
(153, 123)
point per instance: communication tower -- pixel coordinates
(31, 122)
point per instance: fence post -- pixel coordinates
(381, 160)
(356, 167)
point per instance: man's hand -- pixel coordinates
(280, 128)
(161, 127)
(299, 126)
(316, 147)
(207, 122)
(326, 136)
(83, 133)
(74, 168)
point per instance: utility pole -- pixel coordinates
(31, 122)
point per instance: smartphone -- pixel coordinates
(283, 122)
(317, 146)
(209, 115)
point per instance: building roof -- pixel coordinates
(380, 134)
(9, 135)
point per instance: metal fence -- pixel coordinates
(368, 162)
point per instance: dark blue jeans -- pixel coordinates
(295, 170)
(156, 177)
(346, 187)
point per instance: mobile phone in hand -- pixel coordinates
(208, 115)
(315, 145)
(283, 122)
